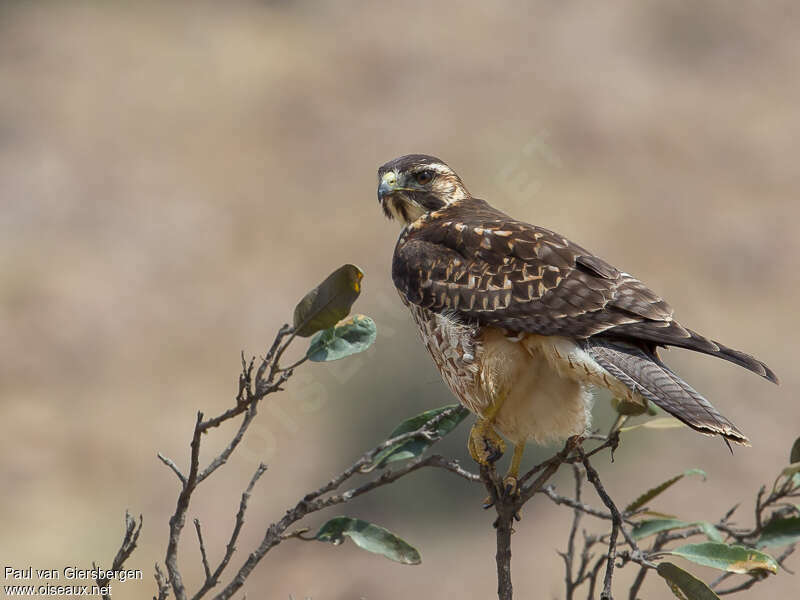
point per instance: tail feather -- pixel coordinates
(671, 333)
(644, 374)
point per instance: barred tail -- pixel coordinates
(645, 374)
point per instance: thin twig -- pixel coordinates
(578, 506)
(171, 464)
(569, 555)
(129, 541)
(213, 578)
(616, 525)
(593, 576)
(389, 476)
(223, 456)
(162, 584)
(203, 554)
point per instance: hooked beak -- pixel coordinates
(387, 186)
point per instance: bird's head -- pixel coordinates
(416, 184)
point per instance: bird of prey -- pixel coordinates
(521, 322)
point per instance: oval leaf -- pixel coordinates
(415, 447)
(657, 514)
(685, 585)
(652, 493)
(780, 532)
(650, 527)
(350, 336)
(791, 472)
(369, 537)
(794, 455)
(628, 408)
(329, 302)
(792, 469)
(736, 559)
(660, 423)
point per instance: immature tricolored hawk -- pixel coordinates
(521, 322)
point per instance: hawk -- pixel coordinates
(521, 322)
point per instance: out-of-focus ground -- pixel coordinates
(173, 177)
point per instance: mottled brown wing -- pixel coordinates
(474, 260)
(477, 261)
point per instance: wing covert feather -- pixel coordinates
(487, 266)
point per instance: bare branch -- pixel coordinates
(389, 476)
(616, 527)
(162, 584)
(569, 555)
(213, 578)
(129, 541)
(578, 506)
(203, 554)
(222, 458)
(171, 464)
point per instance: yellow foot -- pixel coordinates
(510, 480)
(485, 445)
(509, 490)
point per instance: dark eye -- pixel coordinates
(424, 177)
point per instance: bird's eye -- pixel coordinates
(424, 177)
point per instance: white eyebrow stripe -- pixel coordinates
(438, 168)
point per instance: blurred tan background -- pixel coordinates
(175, 176)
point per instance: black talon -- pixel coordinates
(495, 453)
(488, 503)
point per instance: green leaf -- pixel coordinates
(794, 455)
(369, 537)
(650, 527)
(780, 532)
(685, 585)
(710, 531)
(415, 447)
(736, 559)
(628, 408)
(791, 470)
(329, 302)
(657, 514)
(660, 423)
(652, 493)
(351, 336)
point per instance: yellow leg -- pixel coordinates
(510, 480)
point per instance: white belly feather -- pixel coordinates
(543, 382)
(540, 402)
